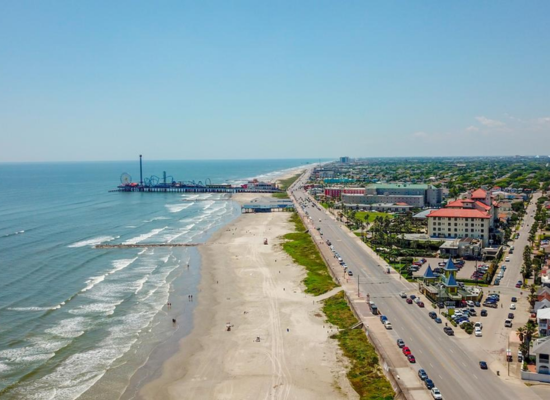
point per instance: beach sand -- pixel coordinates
(256, 289)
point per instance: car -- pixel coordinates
(409, 301)
(350, 273)
(449, 331)
(406, 350)
(518, 285)
(470, 303)
(422, 374)
(403, 295)
(412, 297)
(438, 320)
(436, 394)
(478, 333)
(478, 325)
(411, 359)
(429, 383)
(491, 305)
(440, 305)
(514, 300)
(387, 325)
(383, 318)
(510, 315)
(432, 315)
(472, 312)
(482, 365)
(416, 300)
(420, 304)
(483, 312)
(507, 259)
(508, 323)
(513, 306)
(477, 303)
(497, 282)
(442, 263)
(520, 282)
(400, 343)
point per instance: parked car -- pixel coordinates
(513, 306)
(478, 325)
(412, 297)
(409, 301)
(514, 299)
(510, 315)
(403, 295)
(477, 303)
(350, 273)
(432, 315)
(482, 365)
(383, 318)
(422, 374)
(429, 383)
(478, 332)
(411, 359)
(470, 303)
(387, 325)
(518, 285)
(449, 331)
(508, 323)
(400, 343)
(406, 350)
(483, 313)
(436, 394)
(440, 305)
(420, 304)
(438, 320)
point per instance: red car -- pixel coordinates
(420, 304)
(406, 351)
(411, 359)
(409, 301)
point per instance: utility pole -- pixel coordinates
(358, 293)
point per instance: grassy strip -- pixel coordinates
(303, 251)
(365, 374)
(284, 185)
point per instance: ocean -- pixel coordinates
(76, 321)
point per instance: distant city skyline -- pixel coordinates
(99, 81)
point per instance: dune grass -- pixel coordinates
(365, 374)
(303, 251)
(284, 184)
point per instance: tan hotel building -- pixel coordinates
(459, 223)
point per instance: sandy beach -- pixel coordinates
(278, 346)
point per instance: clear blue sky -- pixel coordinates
(107, 80)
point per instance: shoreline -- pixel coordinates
(258, 300)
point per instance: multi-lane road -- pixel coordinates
(454, 369)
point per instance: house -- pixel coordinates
(543, 293)
(543, 320)
(541, 305)
(542, 349)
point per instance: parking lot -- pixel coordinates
(465, 272)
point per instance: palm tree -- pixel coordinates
(532, 298)
(521, 333)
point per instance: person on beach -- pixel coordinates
(174, 321)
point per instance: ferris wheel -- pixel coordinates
(125, 179)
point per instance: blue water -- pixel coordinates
(75, 320)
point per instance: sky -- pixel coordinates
(104, 80)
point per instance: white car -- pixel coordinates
(478, 332)
(507, 259)
(470, 303)
(417, 300)
(513, 306)
(436, 394)
(387, 324)
(478, 325)
(403, 295)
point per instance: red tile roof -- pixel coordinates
(457, 213)
(483, 205)
(456, 203)
(479, 194)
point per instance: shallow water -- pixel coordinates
(73, 317)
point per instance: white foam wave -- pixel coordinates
(176, 208)
(33, 308)
(121, 264)
(69, 328)
(156, 219)
(94, 280)
(144, 236)
(94, 241)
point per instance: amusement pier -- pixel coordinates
(168, 184)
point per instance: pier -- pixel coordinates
(142, 245)
(167, 184)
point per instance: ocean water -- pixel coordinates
(75, 321)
